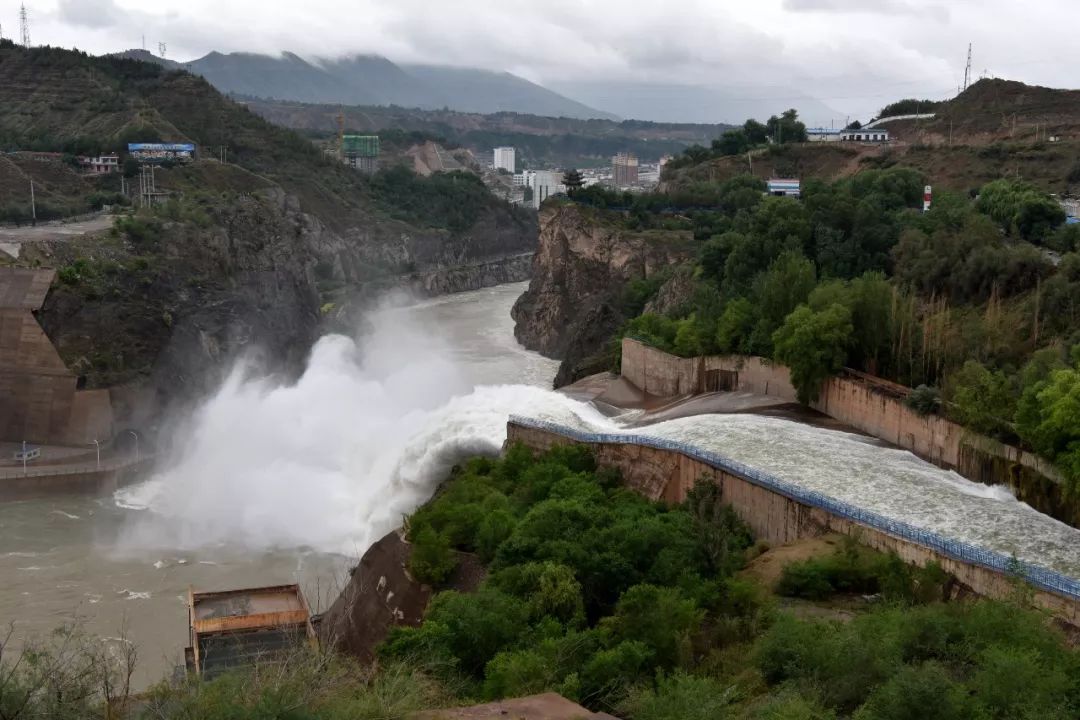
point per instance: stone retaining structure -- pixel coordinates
(779, 512)
(868, 404)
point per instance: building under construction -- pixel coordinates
(625, 169)
(361, 152)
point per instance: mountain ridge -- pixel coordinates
(370, 79)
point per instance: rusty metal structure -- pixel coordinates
(238, 628)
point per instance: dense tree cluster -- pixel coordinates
(451, 200)
(960, 298)
(779, 129)
(591, 588)
(910, 106)
(627, 606)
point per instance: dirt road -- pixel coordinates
(12, 238)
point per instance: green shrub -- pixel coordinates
(431, 560)
(681, 697)
(924, 400)
(918, 693)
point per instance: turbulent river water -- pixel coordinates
(272, 482)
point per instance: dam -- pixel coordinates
(308, 473)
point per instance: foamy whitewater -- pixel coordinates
(334, 460)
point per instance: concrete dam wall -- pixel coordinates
(780, 512)
(868, 404)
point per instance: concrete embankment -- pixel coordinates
(779, 512)
(90, 477)
(868, 405)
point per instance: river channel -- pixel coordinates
(275, 482)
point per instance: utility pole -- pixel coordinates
(33, 204)
(750, 160)
(24, 22)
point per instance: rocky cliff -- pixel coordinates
(156, 307)
(238, 256)
(381, 594)
(584, 262)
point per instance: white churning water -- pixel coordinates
(890, 482)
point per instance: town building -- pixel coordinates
(624, 169)
(504, 158)
(101, 165)
(361, 152)
(545, 184)
(822, 134)
(524, 179)
(784, 187)
(866, 135)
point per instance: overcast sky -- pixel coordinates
(853, 55)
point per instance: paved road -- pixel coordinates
(12, 238)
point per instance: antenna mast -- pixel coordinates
(161, 49)
(967, 69)
(24, 22)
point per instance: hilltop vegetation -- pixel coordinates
(995, 129)
(66, 101)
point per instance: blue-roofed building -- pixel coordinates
(783, 187)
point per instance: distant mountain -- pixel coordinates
(697, 104)
(374, 80)
(483, 91)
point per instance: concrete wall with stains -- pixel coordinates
(872, 406)
(668, 475)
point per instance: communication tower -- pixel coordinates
(161, 49)
(967, 69)
(24, 22)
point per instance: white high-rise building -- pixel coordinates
(504, 159)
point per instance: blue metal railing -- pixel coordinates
(1038, 576)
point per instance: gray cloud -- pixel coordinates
(89, 13)
(854, 56)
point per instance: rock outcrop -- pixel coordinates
(583, 263)
(160, 311)
(381, 594)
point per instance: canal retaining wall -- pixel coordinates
(867, 404)
(780, 512)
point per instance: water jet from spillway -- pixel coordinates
(333, 460)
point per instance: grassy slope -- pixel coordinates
(996, 129)
(55, 99)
